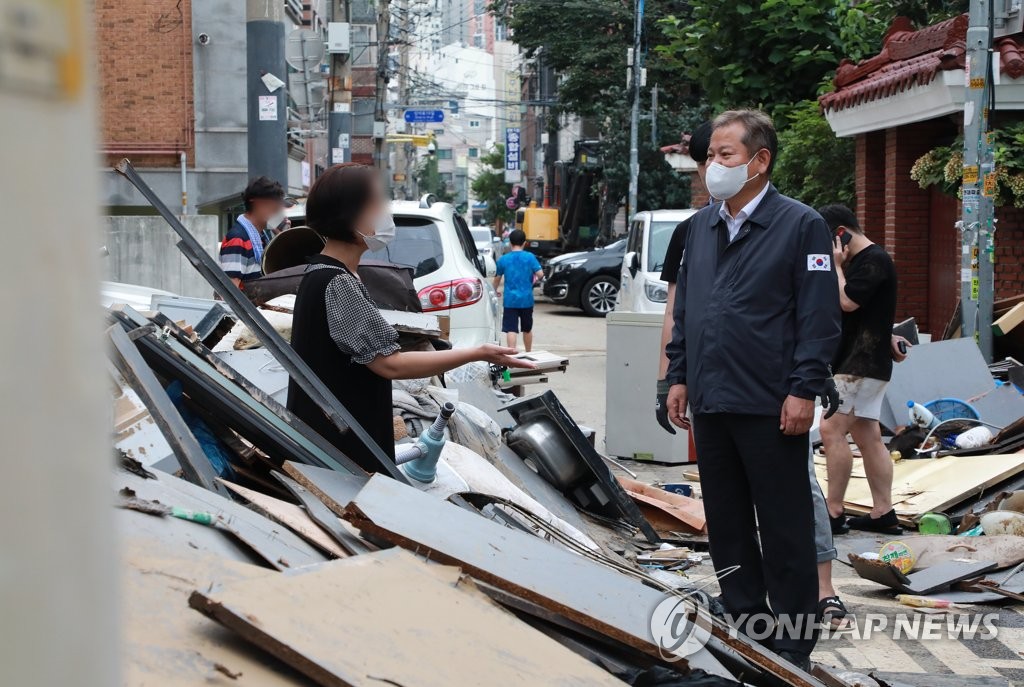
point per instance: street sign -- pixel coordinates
(513, 172)
(431, 116)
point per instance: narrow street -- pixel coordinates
(949, 662)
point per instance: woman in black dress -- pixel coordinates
(338, 330)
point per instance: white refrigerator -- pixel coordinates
(632, 373)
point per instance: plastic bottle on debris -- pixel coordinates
(921, 416)
(976, 437)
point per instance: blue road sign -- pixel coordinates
(432, 116)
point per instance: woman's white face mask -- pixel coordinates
(383, 232)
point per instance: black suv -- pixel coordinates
(589, 280)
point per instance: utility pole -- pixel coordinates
(405, 150)
(339, 113)
(654, 116)
(267, 100)
(977, 226)
(635, 65)
(383, 42)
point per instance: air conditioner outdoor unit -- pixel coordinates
(1009, 18)
(339, 38)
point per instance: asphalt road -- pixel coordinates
(926, 661)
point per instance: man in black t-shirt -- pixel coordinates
(700, 140)
(862, 368)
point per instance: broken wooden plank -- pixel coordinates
(596, 596)
(271, 541)
(1005, 324)
(322, 515)
(932, 485)
(291, 516)
(411, 623)
(334, 489)
(165, 643)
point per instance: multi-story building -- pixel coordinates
(174, 99)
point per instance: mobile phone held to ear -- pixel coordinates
(844, 237)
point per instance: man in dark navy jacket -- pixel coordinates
(756, 325)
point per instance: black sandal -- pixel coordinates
(833, 614)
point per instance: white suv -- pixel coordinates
(448, 273)
(641, 288)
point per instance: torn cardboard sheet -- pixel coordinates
(667, 511)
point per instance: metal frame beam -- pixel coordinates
(295, 366)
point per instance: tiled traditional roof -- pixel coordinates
(910, 58)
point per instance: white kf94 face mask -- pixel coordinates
(384, 233)
(725, 182)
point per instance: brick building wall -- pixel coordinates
(1009, 269)
(907, 218)
(144, 56)
(869, 179)
(699, 195)
(916, 225)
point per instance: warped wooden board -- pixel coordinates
(389, 618)
(1005, 324)
(291, 516)
(164, 642)
(334, 488)
(687, 511)
(928, 485)
(274, 543)
(341, 531)
(579, 588)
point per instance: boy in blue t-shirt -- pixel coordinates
(520, 269)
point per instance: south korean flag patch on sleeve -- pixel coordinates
(819, 262)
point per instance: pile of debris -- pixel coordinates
(957, 441)
(254, 552)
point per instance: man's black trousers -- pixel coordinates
(747, 467)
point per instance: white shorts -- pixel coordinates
(861, 396)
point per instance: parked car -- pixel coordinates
(642, 289)
(486, 245)
(448, 271)
(588, 280)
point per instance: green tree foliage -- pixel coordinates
(771, 53)
(585, 41)
(429, 180)
(814, 166)
(780, 54)
(660, 186)
(489, 186)
(750, 53)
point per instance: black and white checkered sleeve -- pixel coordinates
(355, 324)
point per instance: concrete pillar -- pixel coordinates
(267, 110)
(58, 576)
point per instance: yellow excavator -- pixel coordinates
(541, 228)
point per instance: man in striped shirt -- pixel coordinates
(241, 252)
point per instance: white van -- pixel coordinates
(642, 289)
